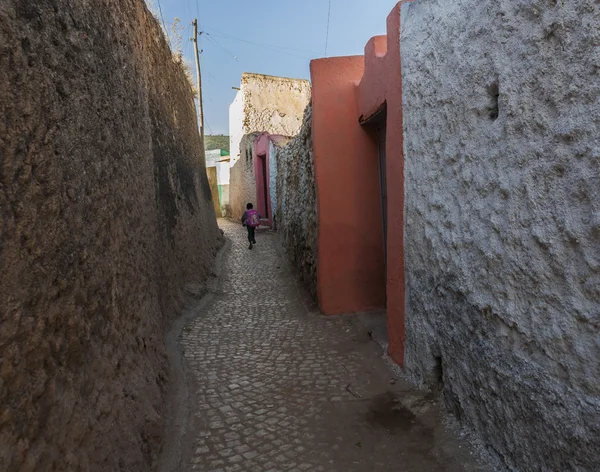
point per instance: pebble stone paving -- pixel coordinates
(275, 386)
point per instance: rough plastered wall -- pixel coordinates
(501, 120)
(273, 104)
(242, 182)
(105, 215)
(273, 180)
(296, 208)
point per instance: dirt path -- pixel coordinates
(271, 386)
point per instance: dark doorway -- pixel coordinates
(381, 134)
(262, 190)
(377, 124)
(376, 321)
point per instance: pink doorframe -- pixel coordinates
(262, 160)
(261, 171)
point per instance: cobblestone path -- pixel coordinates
(276, 387)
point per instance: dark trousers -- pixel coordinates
(251, 231)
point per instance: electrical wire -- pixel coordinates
(186, 48)
(162, 18)
(218, 45)
(263, 46)
(227, 36)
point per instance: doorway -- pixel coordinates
(376, 321)
(262, 187)
(376, 125)
(381, 140)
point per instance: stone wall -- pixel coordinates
(266, 104)
(501, 119)
(273, 147)
(242, 183)
(273, 104)
(105, 215)
(296, 207)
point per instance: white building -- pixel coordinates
(236, 131)
(266, 103)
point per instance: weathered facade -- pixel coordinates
(294, 191)
(242, 182)
(266, 104)
(105, 216)
(503, 221)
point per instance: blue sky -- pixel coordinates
(276, 37)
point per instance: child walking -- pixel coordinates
(251, 220)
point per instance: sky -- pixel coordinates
(275, 37)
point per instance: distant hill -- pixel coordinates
(216, 142)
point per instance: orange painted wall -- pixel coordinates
(350, 269)
(382, 84)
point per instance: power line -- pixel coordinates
(227, 36)
(217, 44)
(271, 48)
(327, 35)
(186, 34)
(162, 18)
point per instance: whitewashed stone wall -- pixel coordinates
(273, 180)
(242, 183)
(296, 208)
(269, 104)
(501, 129)
(273, 104)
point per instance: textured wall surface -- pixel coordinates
(501, 120)
(296, 201)
(266, 104)
(211, 173)
(273, 104)
(105, 214)
(242, 183)
(273, 181)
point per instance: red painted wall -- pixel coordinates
(350, 269)
(382, 84)
(347, 91)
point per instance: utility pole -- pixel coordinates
(200, 106)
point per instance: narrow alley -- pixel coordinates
(423, 177)
(274, 386)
